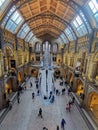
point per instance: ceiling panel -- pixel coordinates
(60, 11)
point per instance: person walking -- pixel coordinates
(68, 107)
(63, 124)
(40, 113)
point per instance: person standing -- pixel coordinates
(63, 124)
(40, 113)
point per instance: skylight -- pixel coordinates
(1, 2)
(23, 31)
(93, 5)
(79, 26)
(70, 34)
(14, 22)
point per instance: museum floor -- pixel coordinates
(24, 116)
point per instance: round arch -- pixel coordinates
(93, 103)
(37, 46)
(55, 47)
(7, 57)
(46, 45)
(10, 85)
(79, 88)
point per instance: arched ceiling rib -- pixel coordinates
(47, 17)
(50, 27)
(78, 5)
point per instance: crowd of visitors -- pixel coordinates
(57, 92)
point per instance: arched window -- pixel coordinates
(55, 48)
(37, 47)
(46, 46)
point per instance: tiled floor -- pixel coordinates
(24, 116)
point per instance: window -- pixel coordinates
(8, 15)
(59, 40)
(93, 5)
(79, 26)
(46, 46)
(3, 5)
(86, 22)
(37, 45)
(63, 38)
(14, 22)
(55, 48)
(1, 2)
(70, 34)
(28, 37)
(32, 39)
(23, 31)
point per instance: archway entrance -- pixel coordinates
(9, 88)
(93, 103)
(80, 89)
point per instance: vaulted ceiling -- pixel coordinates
(49, 16)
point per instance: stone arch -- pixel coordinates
(9, 48)
(8, 56)
(84, 48)
(93, 103)
(10, 85)
(37, 49)
(7, 45)
(80, 88)
(53, 47)
(45, 47)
